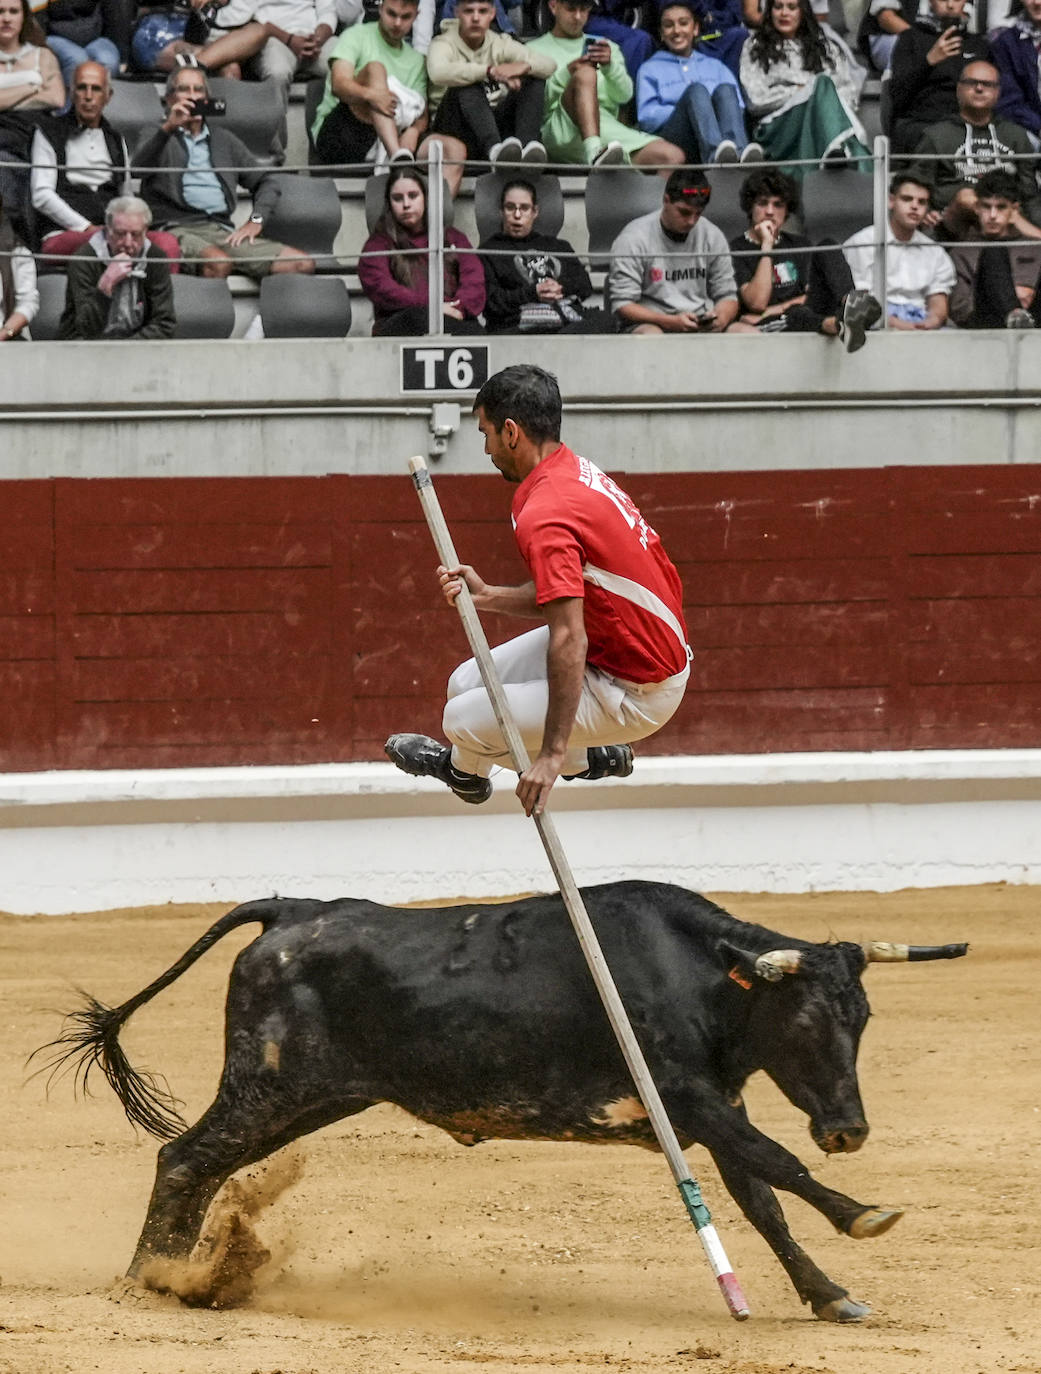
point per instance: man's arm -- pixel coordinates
(43, 186)
(935, 311)
(519, 601)
(565, 670)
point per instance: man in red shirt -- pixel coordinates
(609, 664)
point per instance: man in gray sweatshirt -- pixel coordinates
(671, 271)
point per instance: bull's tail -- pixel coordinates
(90, 1037)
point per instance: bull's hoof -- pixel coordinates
(842, 1310)
(874, 1222)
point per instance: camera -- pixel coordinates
(209, 108)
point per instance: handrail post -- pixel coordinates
(880, 223)
(436, 239)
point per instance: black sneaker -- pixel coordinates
(860, 311)
(605, 761)
(422, 757)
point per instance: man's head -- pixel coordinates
(395, 20)
(475, 19)
(769, 195)
(91, 92)
(520, 209)
(978, 89)
(187, 85)
(908, 204)
(569, 16)
(686, 194)
(948, 12)
(518, 410)
(126, 223)
(997, 200)
(679, 26)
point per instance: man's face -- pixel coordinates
(679, 29)
(126, 234)
(475, 19)
(680, 216)
(90, 93)
(188, 85)
(948, 11)
(569, 17)
(519, 213)
(769, 208)
(908, 206)
(497, 445)
(396, 19)
(978, 89)
(995, 215)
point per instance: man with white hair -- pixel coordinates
(119, 284)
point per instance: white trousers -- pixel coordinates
(610, 711)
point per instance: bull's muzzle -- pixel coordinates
(838, 1140)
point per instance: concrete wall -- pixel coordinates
(305, 407)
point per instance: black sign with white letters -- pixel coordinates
(443, 367)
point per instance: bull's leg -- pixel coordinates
(228, 1137)
(756, 1200)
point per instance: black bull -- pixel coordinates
(483, 1020)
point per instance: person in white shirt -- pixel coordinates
(920, 274)
(302, 34)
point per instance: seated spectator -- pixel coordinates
(612, 19)
(76, 32)
(1015, 53)
(393, 267)
(486, 89)
(881, 25)
(19, 297)
(723, 31)
(925, 66)
(670, 270)
(375, 93)
(194, 33)
(80, 163)
(30, 79)
(300, 37)
(783, 290)
(972, 142)
(195, 202)
(119, 283)
(432, 12)
(535, 284)
(583, 96)
(920, 274)
(691, 99)
(997, 284)
(802, 85)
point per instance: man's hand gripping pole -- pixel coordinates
(590, 945)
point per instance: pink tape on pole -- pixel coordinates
(735, 1299)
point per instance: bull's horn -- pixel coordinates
(777, 962)
(882, 952)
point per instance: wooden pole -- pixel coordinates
(590, 945)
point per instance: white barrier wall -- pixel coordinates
(782, 823)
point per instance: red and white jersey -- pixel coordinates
(581, 535)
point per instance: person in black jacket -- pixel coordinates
(535, 283)
(119, 284)
(927, 62)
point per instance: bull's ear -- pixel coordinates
(739, 963)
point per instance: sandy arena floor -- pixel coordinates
(398, 1250)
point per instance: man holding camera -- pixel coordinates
(119, 283)
(195, 202)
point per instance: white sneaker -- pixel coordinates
(508, 153)
(533, 154)
(753, 152)
(402, 155)
(725, 153)
(611, 155)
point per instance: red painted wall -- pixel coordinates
(164, 622)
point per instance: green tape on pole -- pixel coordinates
(691, 1195)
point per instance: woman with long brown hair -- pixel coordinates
(393, 265)
(30, 78)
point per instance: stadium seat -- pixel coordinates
(203, 307)
(134, 110)
(724, 209)
(374, 194)
(313, 92)
(293, 306)
(255, 114)
(488, 191)
(52, 303)
(836, 204)
(614, 196)
(307, 216)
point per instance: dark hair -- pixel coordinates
(769, 182)
(692, 5)
(767, 45)
(407, 266)
(899, 179)
(525, 394)
(518, 184)
(998, 185)
(686, 182)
